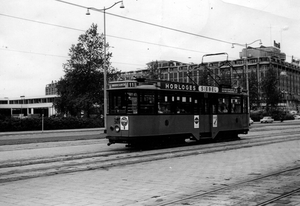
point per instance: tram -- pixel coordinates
(146, 111)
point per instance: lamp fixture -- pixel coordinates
(88, 12)
(122, 5)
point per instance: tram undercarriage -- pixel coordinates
(175, 139)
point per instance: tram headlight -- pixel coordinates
(117, 128)
(111, 128)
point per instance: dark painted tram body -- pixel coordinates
(151, 111)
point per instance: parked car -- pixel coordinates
(296, 116)
(250, 121)
(267, 120)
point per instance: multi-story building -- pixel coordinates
(51, 88)
(253, 60)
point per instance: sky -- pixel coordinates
(36, 35)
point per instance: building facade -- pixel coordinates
(28, 106)
(233, 73)
(23, 107)
(51, 89)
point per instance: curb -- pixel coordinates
(49, 131)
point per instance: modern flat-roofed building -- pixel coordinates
(28, 106)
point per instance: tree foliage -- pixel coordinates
(81, 88)
(204, 78)
(269, 87)
(153, 71)
(254, 97)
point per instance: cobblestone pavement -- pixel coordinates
(154, 182)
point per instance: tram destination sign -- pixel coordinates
(188, 87)
(122, 84)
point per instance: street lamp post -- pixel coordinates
(246, 68)
(104, 55)
(22, 97)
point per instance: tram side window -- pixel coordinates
(164, 104)
(236, 105)
(195, 105)
(245, 104)
(214, 105)
(184, 104)
(223, 105)
(204, 106)
(146, 103)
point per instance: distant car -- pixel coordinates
(250, 121)
(296, 116)
(267, 120)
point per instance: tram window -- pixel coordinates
(183, 105)
(163, 104)
(236, 105)
(245, 105)
(214, 105)
(195, 106)
(146, 101)
(122, 103)
(204, 106)
(116, 103)
(132, 103)
(223, 105)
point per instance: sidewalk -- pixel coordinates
(20, 138)
(151, 183)
(48, 131)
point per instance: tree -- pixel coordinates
(81, 88)
(253, 90)
(270, 90)
(153, 71)
(204, 78)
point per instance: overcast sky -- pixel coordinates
(36, 35)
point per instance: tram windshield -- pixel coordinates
(164, 102)
(123, 103)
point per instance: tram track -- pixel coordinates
(284, 195)
(16, 170)
(255, 139)
(233, 194)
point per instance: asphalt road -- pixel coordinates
(161, 182)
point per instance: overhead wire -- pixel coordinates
(40, 22)
(144, 22)
(112, 36)
(53, 55)
(27, 52)
(123, 38)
